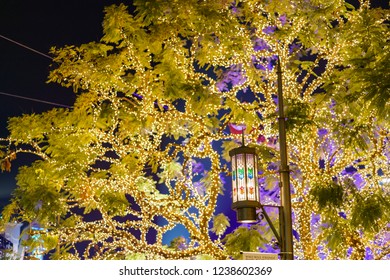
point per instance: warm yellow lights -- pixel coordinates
(150, 104)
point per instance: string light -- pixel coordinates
(127, 140)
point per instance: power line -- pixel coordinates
(34, 99)
(28, 98)
(26, 47)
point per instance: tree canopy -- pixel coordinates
(145, 146)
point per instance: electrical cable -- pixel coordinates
(28, 98)
(34, 99)
(26, 47)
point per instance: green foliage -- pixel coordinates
(364, 77)
(39, 193)
(116, 21)
(271, 181)
(204, 257)
(145, 185)
(8, 254)
(49, 242)
(227, 146)
(114, 203)
(135, 256)
(178, 243)
(209, 183)
(335, 235)
(171, 170)
(298, 115)
(265, 153)
(243, 239)
(335, 238)
(328, 196)
(63, 252)
(220, 223)
(8, 214)
(370, 212)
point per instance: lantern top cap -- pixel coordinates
(242, 150)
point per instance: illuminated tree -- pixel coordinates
(146, 143)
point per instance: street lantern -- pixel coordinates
(245, 187)
(246, 199)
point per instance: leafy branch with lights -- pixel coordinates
(155, 97)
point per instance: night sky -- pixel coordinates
(39, 25)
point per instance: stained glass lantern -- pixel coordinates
(245, 187)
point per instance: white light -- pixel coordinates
(384, 181)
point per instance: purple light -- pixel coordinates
(269, 30)
(230, 78)
(369, 254)
(315, 219)
(272, 166)
(358, 180)
(349, 251)
(283, 19)
(261, 139)
(137, 95)
(197, 167)
(223, 179)
(200, 188)
(321, 255)
(296, 234)
(343, 215)
(269, 249)
(261, 45)
(294, 47)
(322, 132)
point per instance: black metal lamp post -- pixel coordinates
(245, 189)
(286, 224)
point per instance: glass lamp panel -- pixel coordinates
(251, 178)
(256, 180)
(234, 178)
(241, 186)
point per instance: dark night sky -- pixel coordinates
(39, 25)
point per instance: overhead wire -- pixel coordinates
(26, 47)
(34, 99)
(24, 97)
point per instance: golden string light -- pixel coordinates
(127, 140)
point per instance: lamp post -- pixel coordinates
(245, 189)
(286, 229)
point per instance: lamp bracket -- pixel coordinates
(264, 213)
